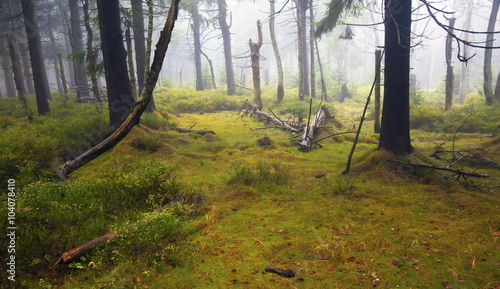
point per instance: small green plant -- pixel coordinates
(264, 173)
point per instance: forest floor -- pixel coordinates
(270, 205)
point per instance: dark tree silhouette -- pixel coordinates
(120, 97)
(42, 90)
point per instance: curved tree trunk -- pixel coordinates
(120, 97)
(280, 93)
(226, 39)
(42, 90)
(488, 91)
(395, 126)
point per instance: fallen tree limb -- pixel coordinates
(200, 131)
(75, 253)
(282, 272)
(135, 115)
(456, 171)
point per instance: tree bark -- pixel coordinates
(120, 97)
(324, 93)
(395, 126)
(464, 74)
(42, 90)
(135, 115)
(149, 39)
(376, 125)
(449, 69)
(67, 44)
(81, 80)
(488, 91)
(54, 53)
(197, 45)
(311, 48)
(280, 92)
(62, 74)
(16, 69)
(139, 41)
(255, 56)
(7, 72)
(91, 54)
(302, 47)
(226, 39)
(130, 58)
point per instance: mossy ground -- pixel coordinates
(382, 224)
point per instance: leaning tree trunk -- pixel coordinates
(324, 94)
(81, 81)
(376, 125)
(488, 91)
(149, 40)
(42, 90)
(135, 114)
(395, 126)
(120, 97)
(449, 69)
(280, 92)
(226, 39)
(255, 56)
(197, 46)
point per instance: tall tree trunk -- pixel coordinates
(488, 91)
(42, 90)
(497, 89)
(7, 72)
(302, 47)
(62, 74)
(120, 97)
(226, 39)
(449, 69)
(324, 94)
(91, 54)
(197, 46)
(255, 56)
(311, 48)
(54, 53)
(139, 41)
(464, 74)
(395, 126)
(211, 68)
(67, 44)
(376, 125)
(149, 39)
(77, 44)
(16, 69)
(280, 92)
(130, 58)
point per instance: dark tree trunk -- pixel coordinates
(77, 44)
(61, 72)
(151, 104)
(7, 72)
(139, 41)
(311, 48)
(376, 125)
(449, 69)
(280, 92)
(120, 97)
(16, 69)
(42, 90)
(226, 39)
(91, 54)
(67, 44)
(488, 91)
(197, 46)
(255, 55)
(302, 6)
(395, 126)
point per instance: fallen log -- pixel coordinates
(135, 114)
(287, 273)
(460, 173)
(188, 130)
(75, 253)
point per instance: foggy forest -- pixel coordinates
(249, 144)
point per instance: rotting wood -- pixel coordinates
(75, 253)
(460, 173)
(312, 126)
(188, 130)
(282, 272)
(140, 106)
